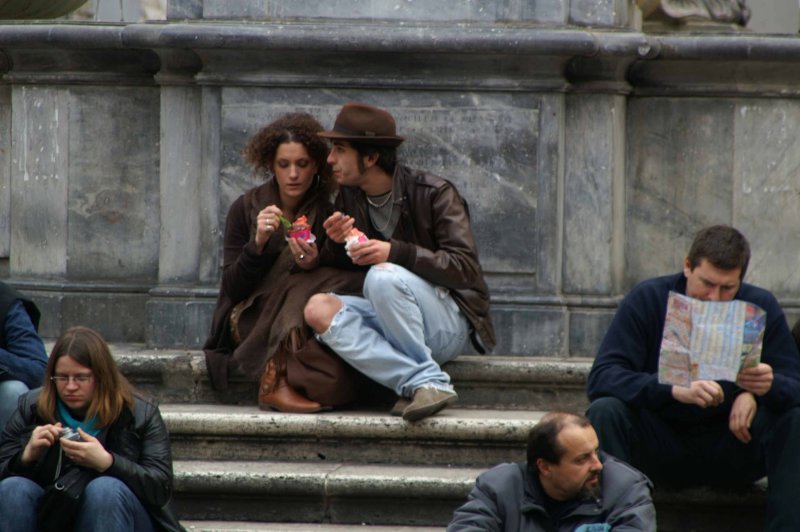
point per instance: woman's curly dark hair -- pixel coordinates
(290, 127)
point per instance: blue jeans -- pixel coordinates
(108, 505)
(10, 391)
(400, 331)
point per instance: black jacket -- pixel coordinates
(138, 441)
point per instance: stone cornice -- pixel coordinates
(435, 56)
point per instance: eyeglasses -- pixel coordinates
(79, 379)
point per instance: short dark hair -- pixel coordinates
(721, 245)
(387, 155)
(543, 438)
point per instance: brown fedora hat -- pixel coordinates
(361, 122)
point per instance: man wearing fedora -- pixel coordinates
(424, 294)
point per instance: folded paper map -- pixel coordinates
(709, 340)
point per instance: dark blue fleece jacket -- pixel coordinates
(626, 365)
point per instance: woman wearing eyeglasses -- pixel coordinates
(123, 448)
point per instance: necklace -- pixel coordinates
(384, 202)
(386, 223)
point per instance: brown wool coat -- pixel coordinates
(275, 291)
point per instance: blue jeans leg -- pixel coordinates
(10, 391)
(400, 332)
(19, 498)
(110, 506)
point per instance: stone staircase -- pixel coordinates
(239, 468)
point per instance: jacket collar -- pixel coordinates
(534, 497)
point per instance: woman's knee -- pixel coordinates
(320, 310)
(106, 491)
(19, 492)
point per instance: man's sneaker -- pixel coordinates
(427, 401)
(400, 406)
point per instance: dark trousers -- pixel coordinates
(674, 453)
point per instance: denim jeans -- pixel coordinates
(10, 391)
(108, 505)
(400, 331)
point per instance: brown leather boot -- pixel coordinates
(276, 394)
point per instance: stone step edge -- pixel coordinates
(343, 480)
(453, 424)
(244, 526)
(323, 479)
(140, 361)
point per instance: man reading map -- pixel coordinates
(709, 431)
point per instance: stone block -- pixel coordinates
(531, 331)
(178, 322)
(119, 317)
(591, 162)
(184, 9)
(180, 185)
(766, 191)
(546, 11)
(680, 154)
(39, 179)
(587, 329)
(113, 176)
(602, 13)
(5, 170)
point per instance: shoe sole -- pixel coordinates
(397, 412)
(429, 410)
(268, 407)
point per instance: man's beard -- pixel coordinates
(592, 492)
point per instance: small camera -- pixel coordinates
(70, 434)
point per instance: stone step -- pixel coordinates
(539, 383)
(458, 437)
(397, 495)
(329, 492)
(243, 526)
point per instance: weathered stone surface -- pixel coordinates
(120, 317)
(546, 11)
(180, 321)
(680, 164)
(5, 170)
(767, 191)
(112, 181)
(591, 167)
(40, 162)
(612, 13)
(586, 330)
(532, 331)
(181, 184)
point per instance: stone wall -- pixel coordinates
(589, 158)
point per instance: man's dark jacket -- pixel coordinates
(509, 498)
(626, 365)
(138, 441)
(432, 239)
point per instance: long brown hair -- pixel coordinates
(112, 391)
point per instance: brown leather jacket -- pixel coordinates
(433, 239)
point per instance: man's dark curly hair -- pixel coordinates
(291, 127)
